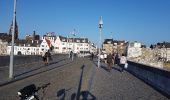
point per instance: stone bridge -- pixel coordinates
(81, 79)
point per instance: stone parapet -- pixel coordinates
(157, 77)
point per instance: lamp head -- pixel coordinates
(100, 22)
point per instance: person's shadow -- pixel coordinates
(84, 95)
(80, 95)
(62, 93)
(105, 68)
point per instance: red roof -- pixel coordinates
(48, 42)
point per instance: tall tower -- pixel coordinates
(16, 30)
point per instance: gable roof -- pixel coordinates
(5, 37)
(106, 41)
(163, 45)
(48, 42)
(78, 40)
(32, 43)
(111, 41)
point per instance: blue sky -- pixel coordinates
(146, 21)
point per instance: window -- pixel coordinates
(78, 40)
(115, 43)
(63, 40)
(79, 44)
(56, 47)
(132, 44)
(108, 42)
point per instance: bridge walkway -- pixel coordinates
(82, 79)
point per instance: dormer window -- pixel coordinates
(78, 40)
(115, 43)
(109, 42)
(64, 40)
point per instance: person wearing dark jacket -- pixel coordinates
(117, 59)
(92, 56)
(48, 55)
(110, 61)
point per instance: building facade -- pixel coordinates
(76, 45)
(134, 49)
(26, 47)
(57, 44)
(163, 51)
(114, 46)
(3, 47)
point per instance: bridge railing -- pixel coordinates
(158, 78)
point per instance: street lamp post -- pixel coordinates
(68, 47)
(12, 44)
(84, 48)
(100, 28)
(73, 44)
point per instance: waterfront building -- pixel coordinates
(77, 45)
(134, 49)
(114, 46)
(48, 41)
(3, 47)
(25, 47)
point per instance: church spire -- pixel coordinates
(16, 30)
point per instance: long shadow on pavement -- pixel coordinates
(105, 67)
(24, 77)
(80, 95)
(62, 93)
(38, 68)
(115, 68)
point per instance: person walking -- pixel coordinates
(117, 59)
(92, 56)
(110, 61)
(123, 61)
(44, 57)
(71, 55)
(113, 55)
(105, 57)
(48, 55)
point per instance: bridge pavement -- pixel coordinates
(81, 79)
